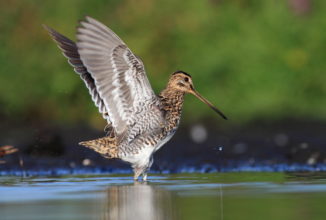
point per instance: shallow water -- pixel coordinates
(181, 196)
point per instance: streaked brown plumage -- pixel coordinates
(139, 122)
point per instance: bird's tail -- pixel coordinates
(106, 146)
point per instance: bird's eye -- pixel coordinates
(180, 84)
(186, 79)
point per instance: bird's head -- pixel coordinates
(182, 81)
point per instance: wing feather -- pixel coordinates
(70, 51)
(119, 76)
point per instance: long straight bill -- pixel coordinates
(195, 93)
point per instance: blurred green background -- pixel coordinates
(256, 60)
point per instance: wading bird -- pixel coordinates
(139, 122)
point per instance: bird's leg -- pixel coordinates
(147, 169)
(145, 176)
(140, 171)
(137, 172)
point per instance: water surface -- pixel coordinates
(180, 196)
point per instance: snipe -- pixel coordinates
(139, 122)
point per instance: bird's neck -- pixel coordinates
(171, 104)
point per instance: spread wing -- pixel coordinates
(119, 76)
(69, 50)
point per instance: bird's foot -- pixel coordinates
(145, 177)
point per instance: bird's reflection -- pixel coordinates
(138, 201)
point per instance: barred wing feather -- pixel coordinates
(69, 50)
(119, 76)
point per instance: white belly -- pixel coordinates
(144, 155)
(142, 158)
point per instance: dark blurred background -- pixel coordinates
(261, 62)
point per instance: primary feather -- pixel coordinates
(70, 51)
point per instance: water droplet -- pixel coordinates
(218, 148)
